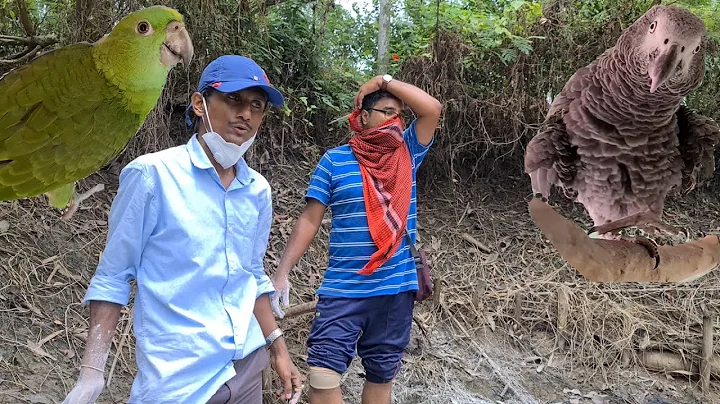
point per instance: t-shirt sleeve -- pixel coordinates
(417, 150)
(320, 187)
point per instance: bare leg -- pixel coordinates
(77, 200)
(374, 393)
(329, 396)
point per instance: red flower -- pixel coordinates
(395, 57)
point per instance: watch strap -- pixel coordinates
(277, 333)
(386, 78)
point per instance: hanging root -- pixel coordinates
(601, 260)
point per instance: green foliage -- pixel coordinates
(503, 58)
(492, 28)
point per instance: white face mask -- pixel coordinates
(226, 154)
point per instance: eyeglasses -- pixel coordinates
(387, 112)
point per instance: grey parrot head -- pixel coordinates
(665, 47)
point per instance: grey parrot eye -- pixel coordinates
(653, 26)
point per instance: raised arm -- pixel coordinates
(426, 107)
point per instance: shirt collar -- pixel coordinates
(201, 160)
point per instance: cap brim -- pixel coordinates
(274, 96)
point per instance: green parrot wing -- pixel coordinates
(60, 121)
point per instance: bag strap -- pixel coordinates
(413, 250)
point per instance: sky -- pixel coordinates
(347, 4)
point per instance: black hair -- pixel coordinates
(371, 99)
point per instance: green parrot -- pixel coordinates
(71, 110)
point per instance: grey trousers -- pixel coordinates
(246, 386)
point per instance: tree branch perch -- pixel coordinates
(298, 309)
(33, 43)
(600, 260)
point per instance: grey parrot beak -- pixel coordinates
(177, 46)
(663, 67)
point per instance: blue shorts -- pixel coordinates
(379, 326)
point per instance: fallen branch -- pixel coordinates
(670, 362)
(707, 352)
(298, 309)
(472, 240)
(623, 261)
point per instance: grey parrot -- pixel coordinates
(618, 138)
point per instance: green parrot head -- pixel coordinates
(138, 53)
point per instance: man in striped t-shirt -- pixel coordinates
(366, 299)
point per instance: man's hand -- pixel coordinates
(372, 85)
(88, 387)
(286, 370)
(427, 108)
(282, 290)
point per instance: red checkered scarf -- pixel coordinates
(386, 172)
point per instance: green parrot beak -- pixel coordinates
(177, 46)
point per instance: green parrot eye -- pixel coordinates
(143, 28)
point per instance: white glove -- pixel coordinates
(295, 397)
(88, 387)
(282, 290)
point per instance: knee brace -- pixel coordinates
(323, 379)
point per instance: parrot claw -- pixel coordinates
(541, 197)
(78, 199)
(70, 211)
(650, 245)
(652, 248)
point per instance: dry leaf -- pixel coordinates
(37, 350)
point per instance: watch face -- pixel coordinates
(387, 77)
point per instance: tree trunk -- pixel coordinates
(384, 11)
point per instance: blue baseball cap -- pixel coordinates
(230, 73)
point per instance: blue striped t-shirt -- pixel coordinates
(337, 182)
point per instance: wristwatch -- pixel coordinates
(385, 80)
(277, 333)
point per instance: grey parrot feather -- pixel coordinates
(617, 138)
